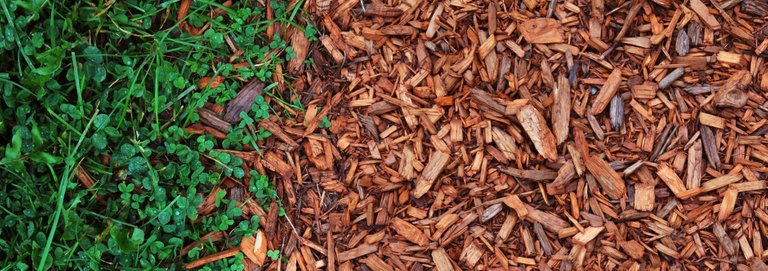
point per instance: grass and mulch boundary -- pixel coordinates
(383, 135)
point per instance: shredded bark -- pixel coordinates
(467, 135)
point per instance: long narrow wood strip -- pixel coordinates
(561, 110)
(359, 251)
(212, 258)
(694, 166)
(710, 149)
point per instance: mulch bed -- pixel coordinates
(525, 135)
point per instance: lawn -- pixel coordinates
(100, 168)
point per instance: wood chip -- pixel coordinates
(588, 235)
(733, 94)
(362, 250)
(561, 111)
(610, 181)
(607, 91)
(710, 149)
(433, 168)
(669, 177)
(409, 231)
(442, 260)
(243, 101)
(255, 248)
(541, 30)
(682, 43)
(645, 196)
(535, 126)
(703, 11)
(729, 202)
(516, 204)
(694, 166)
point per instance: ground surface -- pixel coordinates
(398, 135)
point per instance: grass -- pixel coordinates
(106, 88)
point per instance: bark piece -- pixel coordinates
(546, 245)
(671, 77)
(755, 7)
(695, 33)
(210, 119)
(682, 43)
(710, 149)
(732, 93)
(757, 264)
(485, 99)
(616, 112)
(490, 212)
(725, 241)
(243, 101)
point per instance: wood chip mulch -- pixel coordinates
(524, 135)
